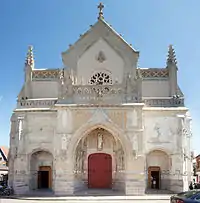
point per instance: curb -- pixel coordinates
(90, 199)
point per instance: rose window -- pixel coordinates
(101, 78)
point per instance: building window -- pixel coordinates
(101, 78)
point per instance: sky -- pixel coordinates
(50, 26)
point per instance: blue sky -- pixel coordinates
(50, 26)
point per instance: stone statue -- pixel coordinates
(120, 157)
(64, 142)
(128, 84)
(79, 161)
(157, 131)
(99, 141)
(135, 144)
(61, 85)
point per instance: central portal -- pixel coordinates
(99, 170)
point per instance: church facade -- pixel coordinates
(100, 122)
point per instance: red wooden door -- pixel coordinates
(99, 170)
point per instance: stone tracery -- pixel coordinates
(101, 78)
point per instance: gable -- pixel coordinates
(101, 30)
(100, 58)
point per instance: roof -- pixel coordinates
(102, 21)
(4, 150)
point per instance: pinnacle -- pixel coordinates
(171, 59)
(29, 58)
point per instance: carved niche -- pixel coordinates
(81, 153)
(99, 141)
(119, 155)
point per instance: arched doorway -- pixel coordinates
(41, 164)
(99, 146)
(158, 163)
(99, 170)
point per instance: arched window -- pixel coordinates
(101, 78)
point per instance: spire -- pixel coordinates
(172, 71)
(100, 7)
(171, 59)
(29, 58)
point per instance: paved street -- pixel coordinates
(78, 201)
(90, 196)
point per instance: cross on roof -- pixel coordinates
(100, 7)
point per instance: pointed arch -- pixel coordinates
(116, 132)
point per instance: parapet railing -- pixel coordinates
(36, 103)
(164, 102)
(108, 94)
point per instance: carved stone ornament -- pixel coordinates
(99, 141)
(101, 57)
(101, 78)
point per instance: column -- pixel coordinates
(135, 175)
(63, 163)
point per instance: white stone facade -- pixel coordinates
(100, 103)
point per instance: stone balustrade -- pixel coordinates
(108, 94)
(36, 103)
(97, 90)
(164, 102)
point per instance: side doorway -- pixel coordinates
(44, 177)
(154, 177)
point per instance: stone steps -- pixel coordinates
(155, 191)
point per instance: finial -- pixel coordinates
(29, 58)
(100, 7)
(171, 59)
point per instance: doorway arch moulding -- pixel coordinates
(116, 132)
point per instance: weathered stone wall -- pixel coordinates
(139, 133)
(164, 132)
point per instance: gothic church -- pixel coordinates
(100, 122)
